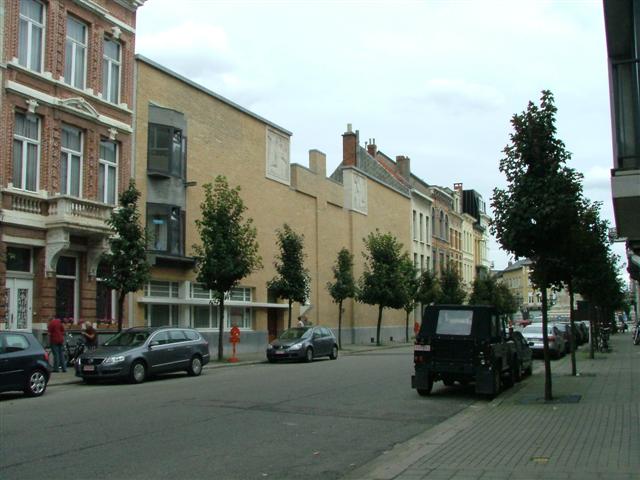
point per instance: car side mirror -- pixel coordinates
(154, 343)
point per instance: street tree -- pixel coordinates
(540, 201)
(292, 281)
(451, 284)
(125, 263)
(381, 282)
(487, 290)
(411, 284)
(228, 251)
(429, 290)
(344, 286)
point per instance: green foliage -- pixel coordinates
(344, 286)
(451, 283)
(411, 284)
(543, 194)
(292, 281)
(229, 250)
(488, 291)
(381, 283)
(126, 260)
(429, 290)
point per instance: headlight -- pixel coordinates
(115, 359)
(296, 346)
(269, 347)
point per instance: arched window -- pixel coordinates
(442, 233)
(446, 227)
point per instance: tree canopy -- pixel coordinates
(228, 251)
(453, 292)
(292, 281)
(344, 286)
(125, 264)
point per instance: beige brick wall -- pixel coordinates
(225, 140)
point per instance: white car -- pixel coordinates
(533, 334)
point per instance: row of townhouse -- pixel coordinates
(82, 114)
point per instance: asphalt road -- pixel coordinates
(311, 421)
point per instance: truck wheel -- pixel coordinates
(448, 381)
(425, 392)
(497, 382)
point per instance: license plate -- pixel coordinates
(279, 352)
(88, 368)
(422, 348)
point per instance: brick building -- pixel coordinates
(65, 153)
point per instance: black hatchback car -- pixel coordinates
(136, 353)
(303, 343)
(23, 364)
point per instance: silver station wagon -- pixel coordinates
(137, 353)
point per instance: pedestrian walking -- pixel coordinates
(56, 340)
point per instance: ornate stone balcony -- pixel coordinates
(41, 210)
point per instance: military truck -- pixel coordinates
(464, 344)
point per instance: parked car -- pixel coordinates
(524, 355)
(303, 343)
(24, 364)
(564, 329)
(463, 343)
(136, 353)
(533, 335)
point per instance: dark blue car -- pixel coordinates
(23, 364)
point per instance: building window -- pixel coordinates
(26, 152)
(207, 316)
(111, 71)
(426, 228)
(108, 172)
(415, 230)
(18, 259)
(66, 288)
(421, 228)
(31, 36)
(162, 315)
(75, 60)
(165, 227)
(166, 150)
(71, 161)
(159, 288)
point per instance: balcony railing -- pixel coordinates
(43, 210)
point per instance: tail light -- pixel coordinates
(551, 338)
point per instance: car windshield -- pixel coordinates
(128, 339)
(295, 333)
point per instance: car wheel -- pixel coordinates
(36, 383)
(89, 381)
(334, 353)
(448, 382)
(517, 371)
(425, 392)
(271, 360)
(195, 366)
(308, 355)
(497, 382)
(138, 372)
(528, 371)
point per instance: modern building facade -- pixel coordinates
(67, 100)
(186, 135)
(622, 25)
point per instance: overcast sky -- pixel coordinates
(437, 81)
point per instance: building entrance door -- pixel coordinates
(19, 299)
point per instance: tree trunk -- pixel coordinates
(340, 325)
(121, 297)
(290, 302)
(220, 327)
(406, 327)
(592, 332)
(572, 338)
(545, 340)
(379, 324)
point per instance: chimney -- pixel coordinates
(372, 148)
(457, 186)
(349, 147)
(318, 162)
(404, 166)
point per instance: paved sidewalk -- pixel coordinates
(590, 431)
(63, 378)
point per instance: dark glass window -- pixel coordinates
(165, 226)
(166, 150)
(104, 310)
(66, 288)
(18, 259)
